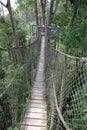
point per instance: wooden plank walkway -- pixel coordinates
(35, 116)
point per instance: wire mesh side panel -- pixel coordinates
(75, 105)
(17, 88)
(34, 56)
(66, 83)
(50, 62)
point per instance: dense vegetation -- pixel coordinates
(70, 16)
(15, 78)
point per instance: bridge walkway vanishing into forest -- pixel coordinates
(35, 116)
(56, 84)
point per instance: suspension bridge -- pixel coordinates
(57, 93)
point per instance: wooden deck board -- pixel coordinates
(35, 116)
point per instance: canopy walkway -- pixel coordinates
(53, 90)
(35, 116)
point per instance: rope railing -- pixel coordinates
(10, 48)
(10, 84)
(66, 84)
(16, 87)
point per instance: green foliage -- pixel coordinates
(2, 73)
(80, 3)
(5, 114)
(77, 38)
(73, 37)
(10, 128)
(2, 20)
(25, 4)
(25, 9)
(6, 34)
(10, 70)
(14, 101)
(60, 18)
(21, 36)
(22, 91)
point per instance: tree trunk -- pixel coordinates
(43, 14)
(51, 12)
(43, 4)
(36, 11)
(14, 30)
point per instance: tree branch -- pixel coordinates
(43, 2)
(3, 4)
(73, 15)
(56, 7)
(10, 49)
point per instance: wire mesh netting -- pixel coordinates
(16, 86)
(66, 96)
